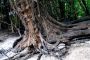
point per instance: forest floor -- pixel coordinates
(77, 51)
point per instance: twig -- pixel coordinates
(39, 56)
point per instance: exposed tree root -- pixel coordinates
(41, 29)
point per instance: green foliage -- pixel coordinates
(78, 9)
(72, 9)
(88, 4)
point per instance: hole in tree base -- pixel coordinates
(52, 42)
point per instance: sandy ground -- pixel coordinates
(6, 45)
(79, 51)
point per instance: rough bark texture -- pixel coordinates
(43, 31)
(36, 24)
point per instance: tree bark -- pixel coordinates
(41, 28)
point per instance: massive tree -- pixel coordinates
(41, 30)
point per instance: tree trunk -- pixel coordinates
(41, 30)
